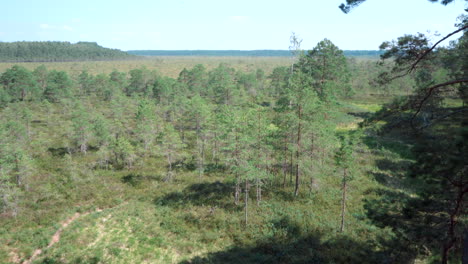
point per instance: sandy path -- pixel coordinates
(56, 237)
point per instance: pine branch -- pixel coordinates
(425, 53)
(414, 65)
(430, 91)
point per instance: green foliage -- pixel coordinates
(19, 84)
(140, 82)
(279, 80)
(344, 156)
(327, 66)
(221, 81)
(148, 124)
(85, 82)
(195, 79)
(118, 80)
(59, 86)
(123, 152)
(163, 89)
(15, 161)
(171, 146)
(82, 127)
(40, 73)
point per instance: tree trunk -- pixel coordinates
(322, 79)
(5, 202)
(237, 191)
(448, 245)
(215, 148)
(259, 191)
(182, 132)
(298, 151)
(343, 202)
(465, 247)
(285, 165)
(83, 148)
(17, 170)
(246, 202)
(291, 168)
(236, 154)
(200, 147)
(312, 181)
(169, 172)
(203, 156)
(323, 156)
(83, 145)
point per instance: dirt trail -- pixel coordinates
(56, 237)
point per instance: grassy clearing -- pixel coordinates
(371, 107)
(450, 102)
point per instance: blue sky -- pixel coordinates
(221, 24)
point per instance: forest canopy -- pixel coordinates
(47, 51)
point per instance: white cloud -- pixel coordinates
(66, 27)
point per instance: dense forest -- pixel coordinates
(252, 53)
(326, 159)
(46, 51)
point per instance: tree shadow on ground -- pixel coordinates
(288, 245)
(399, 167)
(215, 168)
(385, 146)
(136, 180)
(282, 194)
(410, 218)
(363, 115)
(201, 194)
(393, 174)
(60, 152)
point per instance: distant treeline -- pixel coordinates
(45, 51)
(247, 53)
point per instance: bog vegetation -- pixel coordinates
(246, 53)
(321, 160)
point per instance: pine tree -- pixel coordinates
(59, 86)
(171, 146)
(20, 84)
(82, 127)
(148, 125)
(199, 113)
(344, 159)
(327, 66)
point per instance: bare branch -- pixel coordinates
(431, 90)
(444, 116)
